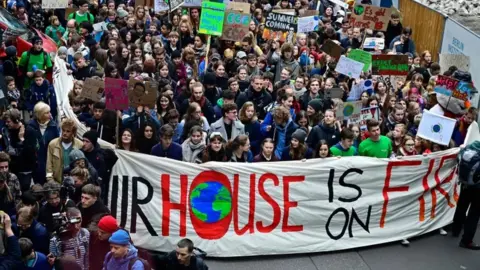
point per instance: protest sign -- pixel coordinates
(462, 62)
(362, 57)
(334, 93)
(308, 12)
(148, 3)
(174, 4)
(116, 94)
(308, 24)
(238, 6)
(53, 4)
(285, 11)
(349, 67)
(192, 3)
(453, 88)
(211, 20)
(331, 48)
(100, 27)
(280, 26)
(160, 5)
(324, 204)
(339, 3)
(392, 82)
(364, 115)
(436, 128)
(390, 64)
(141, 93)
(235, 25)
(347, 109)
(374, 43)
(93, 89)
(371, 17)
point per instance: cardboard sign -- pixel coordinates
(238, 6)
(339, 3)
(334, 93)
(211, 20)
(281, 22)
(371, 17)
(141, 93)
(362, 57)
(192, 3)
(160, 5)
(116, 94)
(347, 109)
(453, 88)
(93, 89)
(390, 80)
(332, 49)
(308, 24)
(235, 25)
(462, 62)
(147, 3)
(364, 115)
(308, 12)
(374, 43)
(390, 64)
(53, 4)
(349, 67)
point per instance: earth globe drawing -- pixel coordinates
(210, 201)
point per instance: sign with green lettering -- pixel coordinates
(390, 64)
(362, 57)
(211, 20)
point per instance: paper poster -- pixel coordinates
(308, 24)
(349, 67)
(346, 110)
(93, 89)
(331, 48)
(100, 27)
(211, 19)
(54, 4)
(192, 3)
(436, 128)
(390, 64)
(364, 115)
(371, 17)
(392, 82)
(451, 87)
(282, 27)
(160, 5)
(141, 93)
(334, 93)
(362, 57)
(285, 11)
(116, 94)
(175, 4)
(235, 25)
(462, 62)
(374, 43)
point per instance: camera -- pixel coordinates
(61, 222)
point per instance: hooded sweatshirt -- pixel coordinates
(112, 263)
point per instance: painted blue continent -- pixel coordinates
(204, 203)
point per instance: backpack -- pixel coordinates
(45, 55)
(146, 264)
(90, 18)
(469, 165)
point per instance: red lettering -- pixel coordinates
(251, 209)
(421, 199)
(287, 204)
(167, 205)
(276, 208)
(439, 184)
(387, 188)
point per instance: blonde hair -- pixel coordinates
(81, 173)
(243, 115)
(40, 109)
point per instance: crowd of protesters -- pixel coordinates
(254, 100)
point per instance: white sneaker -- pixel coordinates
(442, 231)
(405, 242)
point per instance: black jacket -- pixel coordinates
(89, 213)
(207, 109)
(11, 260)
(22, 154)
(260, 100)
(321, 132)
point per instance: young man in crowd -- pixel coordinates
(122, 255)
(166, 147)
(99, 245)
(376, 145)
(228, 125)
(344, 148)
(90, 205)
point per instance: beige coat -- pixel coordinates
(55, 158)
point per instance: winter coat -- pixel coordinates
(286, 154)
(252, 130)
(11, 259)
(55, 158)
(281, 63)
(51, 132)
(45, 93)
(321, 132)
(205, 104)
(174, 151)
(97, 159)
(259, 99)
(275, 131)
(22, 155)
(97, 251)
(37, 233)
(112, 263)
(219, 126)
(89, 213)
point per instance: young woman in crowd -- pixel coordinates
(328, 130)
(297, 150)
(127, 141)
(164, 104)
(239, 149)
(322, 150)
(215, 150)
(146, 138)
(266, 154)
(194, 145)
(193, 117)
(248, 117)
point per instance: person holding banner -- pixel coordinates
(376, 145)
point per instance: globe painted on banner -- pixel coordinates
(211, 201)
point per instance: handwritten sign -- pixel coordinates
(462, 62)
(235, 25)
(390, 64)
(308, 24)
(371, 17)
(362, 57)
(174, 4)
(280, 26)
(93, 89)
(116, 94)
(346, 110)
(364, 115)
(192, 3)
(374, 43)
(53, 4)
(141, 93)
(453, 88)
(392, 82)
(211, 20)
(159, 5)
(332, 49)
(349, 67)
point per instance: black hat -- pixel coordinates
(316, 104)
(176, 54)
(209, 79)
(300, 134)
(92, 136)
(36, 39)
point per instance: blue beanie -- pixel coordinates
(120, 237)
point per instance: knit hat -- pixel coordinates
(176, 54)
(92, 136)
(216, 56)
(120, 237)
(75, 155)
(300, 134)
(36, 39)
(316, 104)
(122, 13)
(108, 224)
(209, 79)
(62, 50)
(11, 51)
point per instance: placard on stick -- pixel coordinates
(334, 93)
(53, 4)
(116, 94)
(280, 26)
(371, 17)
(362, 57)
(235, 25)
(211, 20)
(93, 89)
(390, 64)
(349, 67)
(332, 49)
(141, 93)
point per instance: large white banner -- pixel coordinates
(235, 209)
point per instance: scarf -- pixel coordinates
(190, 151)
(43, 127)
